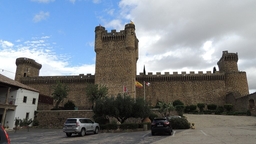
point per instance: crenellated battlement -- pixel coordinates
(113, 35)
(226, 56)
(183, 76)
(32, 62)
(53, 79)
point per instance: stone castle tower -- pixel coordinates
(236, 81)
(26, 68)
(116, 59)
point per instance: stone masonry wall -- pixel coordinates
(56, 118)
(189, 92)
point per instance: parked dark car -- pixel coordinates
(161, 126)
(4, 137)
(80, 126)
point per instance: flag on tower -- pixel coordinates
(138, 84)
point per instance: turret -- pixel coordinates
(98, 38)
(26, 68)
(228, 62)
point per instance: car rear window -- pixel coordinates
(160, 120)
(71, 121)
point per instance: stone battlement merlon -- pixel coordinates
(53, 79)
(182, 73)
(181, 77)
(32, 62)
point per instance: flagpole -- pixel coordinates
(144, 90)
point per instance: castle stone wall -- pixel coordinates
(75, 84)
(188, 91)
(56, 118)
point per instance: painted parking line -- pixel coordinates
(146, 134)
(173, 134)
(203, 132)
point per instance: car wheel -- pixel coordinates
(68, 134)
(96, 131)
(83, 132)
(152, 133)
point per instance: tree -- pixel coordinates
(69, 105)
(165, 108)
(121, 107)
(60, 93)
(95, 92)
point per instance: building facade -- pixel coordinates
(116, 58)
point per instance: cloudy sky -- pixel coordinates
(174, 35)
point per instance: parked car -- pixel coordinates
(161, 125)
(80, 126)
(4, 137)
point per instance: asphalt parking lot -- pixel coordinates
(209, 129)
(56, 136)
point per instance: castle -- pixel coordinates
(116, 58)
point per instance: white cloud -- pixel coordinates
(42, 52)
(5, 44)
(41, 16)
(191, 35)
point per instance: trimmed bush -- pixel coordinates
(212, 107)
(100, 119)
(187, 109)
(179, 109)
(109, 127)
(69, 105)
(177, 102)
(192, 107)
(219, 110)
(228, 107)
(179, 123)
(248, 113)
(129, 126)
(201, 106)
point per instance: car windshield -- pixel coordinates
(71, 121)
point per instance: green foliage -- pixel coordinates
(248, 113)
(219, 110)
(190, 108)
(60, 92)
(69, 105)
(165, 108)
(212, 107)
(112, 126)
(179, 123)
(17, 122)
(140, 108)
(152, 116)
(129, 126)
(177, 102)
(25, 122)
(179, 109)
(209, 111)
(201, 106)
(228, 107)
(122, 107)
(100, 119)
(35, 122)
(95, 92)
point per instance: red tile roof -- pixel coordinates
(8, 81)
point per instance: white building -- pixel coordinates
(16, 101)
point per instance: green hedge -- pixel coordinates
(109, 127)
(179, 123)
(129, 126)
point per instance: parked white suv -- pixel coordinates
(80, 126)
